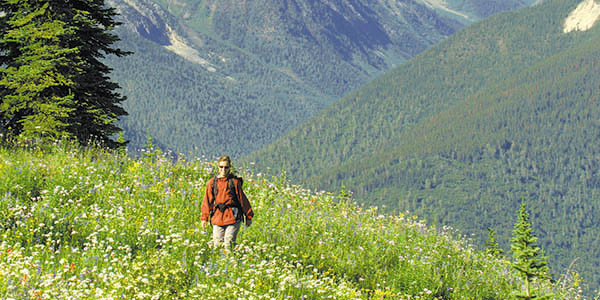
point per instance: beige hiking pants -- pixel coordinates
(225, 235)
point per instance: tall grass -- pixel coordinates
(96, 224)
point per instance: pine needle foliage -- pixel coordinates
(491, 245)
(53, 84)
(38, 98)
(529, 259)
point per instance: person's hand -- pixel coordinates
(248, 222)
(203, 224)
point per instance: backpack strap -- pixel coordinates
(233, 191)
(214, 196)
(214, 189)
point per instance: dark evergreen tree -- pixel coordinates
(36, 98)
(530, 261)
(56, 46)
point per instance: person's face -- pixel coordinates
(224, 168)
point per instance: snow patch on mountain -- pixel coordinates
(443, 5)
(180, 47)
(583, 16)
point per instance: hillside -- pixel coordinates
(92, 224)
(260, 67)
(503, 110)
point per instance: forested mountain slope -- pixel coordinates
(214, 77)
(503, 110)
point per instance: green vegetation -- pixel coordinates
(503, 110)
(52, 82)
(269, 65)
(184, 106)
(530, 261)
(491, 245)
(92, 224)
(27, 108)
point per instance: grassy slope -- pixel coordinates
(90, 224)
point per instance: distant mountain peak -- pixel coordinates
(583, 17)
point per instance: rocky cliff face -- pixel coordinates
(146, 18)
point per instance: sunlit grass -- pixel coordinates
(94, 224)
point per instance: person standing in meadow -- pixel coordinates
(226, 205)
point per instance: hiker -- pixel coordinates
(226, 205)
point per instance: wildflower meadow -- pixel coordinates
(98, 224)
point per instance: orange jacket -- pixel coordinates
(224, 197)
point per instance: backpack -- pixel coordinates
(232, 191)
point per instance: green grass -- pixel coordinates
(94, 224)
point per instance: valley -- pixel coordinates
(273, 65)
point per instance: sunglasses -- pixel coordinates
(224, 167)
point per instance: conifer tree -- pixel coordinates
(39, 99)
(529, 261)
(344, 195)
(56, 47)
(491, 245)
